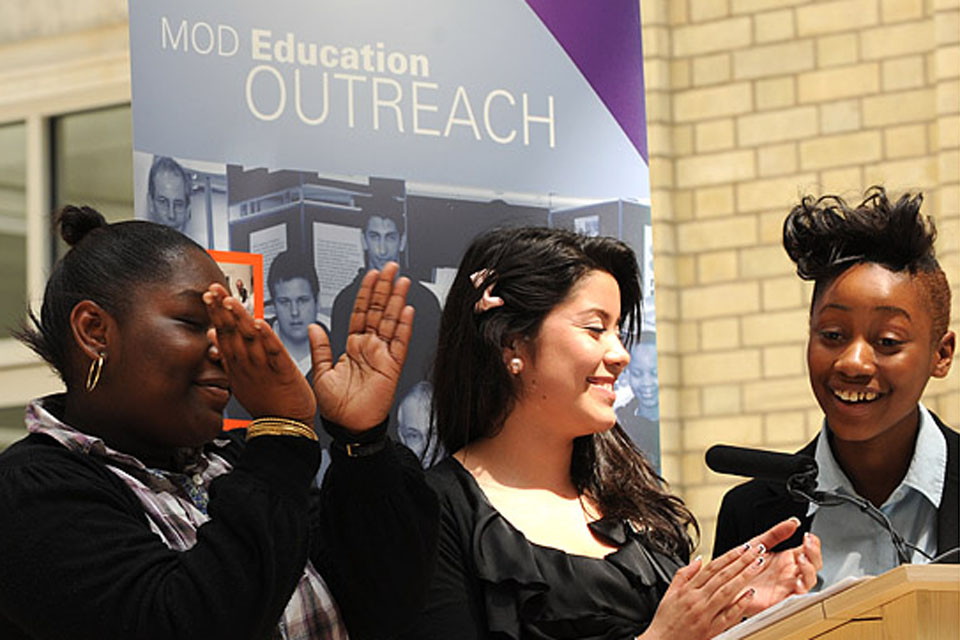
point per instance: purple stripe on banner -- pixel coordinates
(603, 40)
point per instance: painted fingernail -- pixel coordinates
(750, 593)
(760, 561)
(762, 548)
(802, 559)
(795, 519)
(746, 547)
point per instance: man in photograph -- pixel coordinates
(384, 239)
(168, 193)
(294, 289)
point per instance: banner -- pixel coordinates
(329, 137)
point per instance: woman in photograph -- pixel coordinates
(128, 513)
(553, 525)
(879, 330)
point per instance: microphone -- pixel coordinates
(756, 463)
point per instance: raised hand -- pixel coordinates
(356, 392)
(785, 573)
(703, 601)
(262, 375)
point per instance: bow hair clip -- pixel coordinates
(487, 301)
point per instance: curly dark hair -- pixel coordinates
(825, 236)
(533, 269)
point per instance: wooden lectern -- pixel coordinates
(912, 602)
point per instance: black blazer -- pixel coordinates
(751, 508)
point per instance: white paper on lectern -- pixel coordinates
(785, 609)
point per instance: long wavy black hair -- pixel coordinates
(825, 236)
(533, 269)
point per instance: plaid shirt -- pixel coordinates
(175, 505)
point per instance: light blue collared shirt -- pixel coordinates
(853, 543)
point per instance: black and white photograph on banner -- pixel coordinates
(188, 195)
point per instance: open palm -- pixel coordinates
(357, 391)
(785, 573)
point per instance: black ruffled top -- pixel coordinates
(491, 582)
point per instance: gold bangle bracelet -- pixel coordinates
(279, 427)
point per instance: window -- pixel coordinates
(13, 226)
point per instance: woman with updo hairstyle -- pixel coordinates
(552, 524)
(128, 513)
(879, 330)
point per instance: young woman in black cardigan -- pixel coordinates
(879, 330)
(553, 525)
(127, 513)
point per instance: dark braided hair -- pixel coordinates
(534, 269)
(106, 264)
(825, 236)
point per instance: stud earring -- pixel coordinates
(516, 366)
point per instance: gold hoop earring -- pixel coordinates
(93, 375)
(516, 366)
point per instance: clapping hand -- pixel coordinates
(785, 573)
(263, 377)
(356, 392)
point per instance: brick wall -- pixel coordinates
(752, 103)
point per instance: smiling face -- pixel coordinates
(642, 377)
(871, 352)
(296, 308)
(166, 388)
(572, 364)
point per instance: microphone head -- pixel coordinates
(756, 463)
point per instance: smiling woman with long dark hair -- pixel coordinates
(553, 525)
(127, 513)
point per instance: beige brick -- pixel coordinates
(656, 74)
(842, 15)
(678, 13)
(900, 10)
(785, 427)
(711, 69)
(778, 394)
(773, 26)
(680, 74)
(947, 27)
(713, 102)
(666, 338)
(773, 60)
(777, 159)
(659, 139)
(721, 399)
(693, 469)
(661, 171)
(711, 235)
(946, 61)
(837, 50)
(848, 180)
(683, 140)
(755, 6)
(775, 93)
(947, 133)
(783, 361)
(814, 421)
(833, 151)
(703, 10)
(670, 436)
(714, 135)
(688, 402)
(664, 237)
(843, 115)
(686, 270)
(842, 82)
(720, 300)
(903, 73)
(773, 193)
(721, 333)
(656, 42)
(895, 108)
(689, 337)
(783, 327)
(659, 107)
(654, 13)
(764, 262)
(721, 35)
(771, 225)
(776, 126)
(948, 97)
(905, 142)
(668, 369)
(711, 202)
(782, 293)
(896, 40)
(717, 266)
(715, 168)
(706, 432)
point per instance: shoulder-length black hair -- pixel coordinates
(533, 269)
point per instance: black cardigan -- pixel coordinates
(79, 560)
(751, 508)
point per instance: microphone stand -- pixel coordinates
(802, 487)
